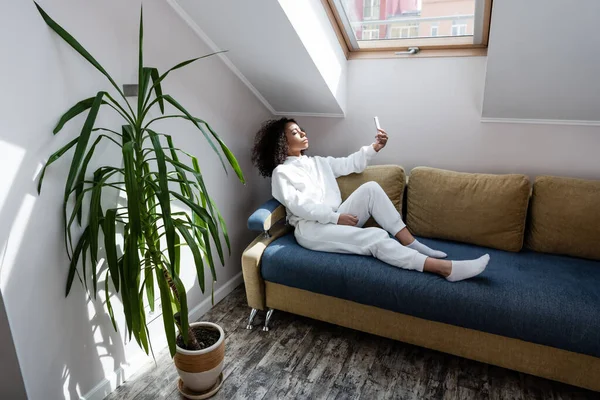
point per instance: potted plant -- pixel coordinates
(142, 238)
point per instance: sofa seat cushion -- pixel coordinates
(540, 298)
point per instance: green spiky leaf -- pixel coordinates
(53, 158)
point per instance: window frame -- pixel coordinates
(437, 46)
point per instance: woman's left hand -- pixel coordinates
(381, 141)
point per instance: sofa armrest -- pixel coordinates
(253, 281)
(266, 216)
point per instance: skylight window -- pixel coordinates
(368, 25)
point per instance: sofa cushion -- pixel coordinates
(541, 298)
(391, 178)
(488, 210)
(565, 217)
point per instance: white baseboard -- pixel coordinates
(540, 121)
(109, 384)
(222, 292)
(122, 374)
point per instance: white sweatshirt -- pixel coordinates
(306, 186)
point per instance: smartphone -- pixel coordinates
(377, 123)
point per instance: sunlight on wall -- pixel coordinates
(14, 241)
(119, 367)
(103, 339)
(66, 378)
(12, 156)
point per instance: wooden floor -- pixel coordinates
(301, 358)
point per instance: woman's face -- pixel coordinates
(296, 139)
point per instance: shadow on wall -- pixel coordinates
(53, 334)
(99, 334)
(62, 344)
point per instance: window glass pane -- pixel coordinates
(375, 20)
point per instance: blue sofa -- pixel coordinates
(533, 312)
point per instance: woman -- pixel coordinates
(306, 186)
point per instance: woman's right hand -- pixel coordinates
(348, 219)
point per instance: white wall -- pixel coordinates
(544, 60)
(67, 346)
(431, 108)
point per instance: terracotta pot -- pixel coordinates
(200, 369)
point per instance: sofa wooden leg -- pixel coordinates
(251, 318)
(267, 319)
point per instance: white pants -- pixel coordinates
(368, 200)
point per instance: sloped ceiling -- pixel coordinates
(543, 61)
(266, 52)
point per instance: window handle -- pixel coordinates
(411, 51)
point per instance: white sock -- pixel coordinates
(467, 269)
(421, 248)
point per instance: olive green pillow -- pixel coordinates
(482, 209)
(390, 177)
(565, 217)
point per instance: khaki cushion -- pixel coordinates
(482, 209)
(565, 217)
(390, 177)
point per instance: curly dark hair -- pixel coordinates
(270, 146)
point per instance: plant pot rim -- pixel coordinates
(208, 349)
